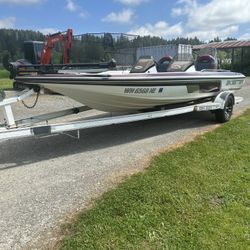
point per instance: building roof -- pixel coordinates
(223, 45)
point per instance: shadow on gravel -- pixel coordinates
(20, 152)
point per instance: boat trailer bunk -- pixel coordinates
(222, 106)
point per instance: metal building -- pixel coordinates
(157, 52)
(238, 54)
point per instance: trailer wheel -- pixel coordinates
(224, 115)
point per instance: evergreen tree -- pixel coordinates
(87, 47)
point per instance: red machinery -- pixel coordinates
(37, 56)
(37, 52)
(66, 38)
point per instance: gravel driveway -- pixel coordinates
(44, 181)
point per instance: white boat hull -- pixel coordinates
(124, 92)
(120, 98)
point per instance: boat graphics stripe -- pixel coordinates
(147, 82)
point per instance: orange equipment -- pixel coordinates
(65, 37)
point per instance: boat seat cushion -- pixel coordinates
(142, 65)
(205, 62)
(176, 66)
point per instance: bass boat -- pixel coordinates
(144, 87)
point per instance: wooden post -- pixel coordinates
(232, 61)
(241, 61)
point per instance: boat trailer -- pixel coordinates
(222, 106)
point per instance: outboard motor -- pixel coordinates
(13, 67)
(205, 62)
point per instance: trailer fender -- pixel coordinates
(223, 96)
(227, 101)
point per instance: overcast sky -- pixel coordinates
(205, 19)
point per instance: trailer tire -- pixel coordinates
(224, 115)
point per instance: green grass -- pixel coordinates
(6, 83)
(4, 73)
(195, 197)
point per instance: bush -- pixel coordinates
(237, 67)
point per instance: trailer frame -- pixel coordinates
(27, 127)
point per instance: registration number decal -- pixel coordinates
(142, 90)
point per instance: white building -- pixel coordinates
(157, 52)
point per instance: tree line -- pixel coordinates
(86, 48)
(11, 40)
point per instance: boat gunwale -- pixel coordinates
(128, 78)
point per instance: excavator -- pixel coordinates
(38, 55)
(36, 52)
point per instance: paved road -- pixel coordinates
(44, 181)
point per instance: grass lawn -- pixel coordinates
(195, 197)
(6, 83)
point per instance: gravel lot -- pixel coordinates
(43, 182)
